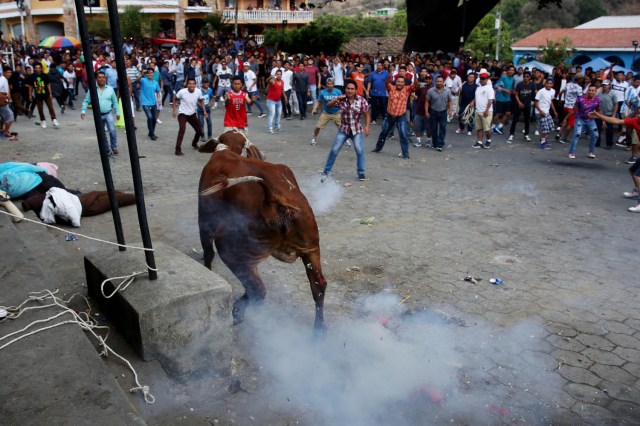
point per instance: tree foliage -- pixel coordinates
(527, 17)
(556, 52)
(398, 24)
(312, 38)
(134, 23)
(216, 23)
(99, 26)
(483, 38)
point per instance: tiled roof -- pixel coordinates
(582, 39)
(627, 21)
(388, 45)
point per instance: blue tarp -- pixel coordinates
(596, 64)
(537, 64)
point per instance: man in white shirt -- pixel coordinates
(543, 104)
(287, 78)
(453, 83)
(337, 71)
(484, 99)
(5, 111)
(251, 85)
(185, 102)
(571, 92)
(223, 78)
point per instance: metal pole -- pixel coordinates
(464, 16)
(498, 40)
(131, 135)
(24, 41)
(235, 26)
(97, 119)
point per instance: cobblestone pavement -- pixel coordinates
(556, 231)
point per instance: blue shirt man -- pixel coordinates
(328, 114)
(150, 99)
(378, 91)
(108, 102)
(112, 76)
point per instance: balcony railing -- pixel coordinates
(275, 16)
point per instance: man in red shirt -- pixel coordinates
(235, 116)
(314, 79)
(634, 170)
(275, 90)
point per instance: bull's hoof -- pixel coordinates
(239, 308)
(319, 330)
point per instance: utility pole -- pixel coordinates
(20, 4)
(498, 40)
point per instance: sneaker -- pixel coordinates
(262, 114)
(417, 144)
(215, 106)
(361, 177)
(561, 141)
(271, 131)
(55, 123)
(510, 139)
(527, 138)
(621, 144)
(632, 160)
(492, 129)
(391, 136)
(477, 145)
(486, 145)
(158, 121)
(468, 133)
(537, 133)
(348, 142)
(43, 124)
(591, 155)
(429, 143)
(313, 141)
(458, 131)
(279, 129)
(439, 149)
(634, 193)
(114, 151)
(323, 177)
(572, 156)
(374, 122)
(621, 139)
(498, 130)
(635, 209)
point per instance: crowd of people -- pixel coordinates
(415, 95)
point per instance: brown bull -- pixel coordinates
(252, 210)
(236, 142)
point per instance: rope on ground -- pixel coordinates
(126, 282)
(80, 235)
(82, 319)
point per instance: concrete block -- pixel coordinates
(182, 319)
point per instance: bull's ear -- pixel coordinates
(254, 152)
(209, 146)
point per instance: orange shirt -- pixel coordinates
(358, 77)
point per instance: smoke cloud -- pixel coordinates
(322, 196)
(386, 365)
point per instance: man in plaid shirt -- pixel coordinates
(396, 115)
(352, 109)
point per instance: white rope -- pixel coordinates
(84, 320)
(468, 115)
(125, 283)
(80, 235)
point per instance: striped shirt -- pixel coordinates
(133, 73)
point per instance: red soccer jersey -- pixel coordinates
(236, 111)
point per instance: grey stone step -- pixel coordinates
(56, 376)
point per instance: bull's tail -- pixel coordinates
(224, 183)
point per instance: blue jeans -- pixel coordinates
(111, 127)
(438, 124)
(151, 112)
(591, 126)
(202, 120)
(136, 96)
(257, 103)
(313, 88)
(70, 96)
(275, 109)
(178, 85)
(338, 142)
(401, 123)
(168, 91)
